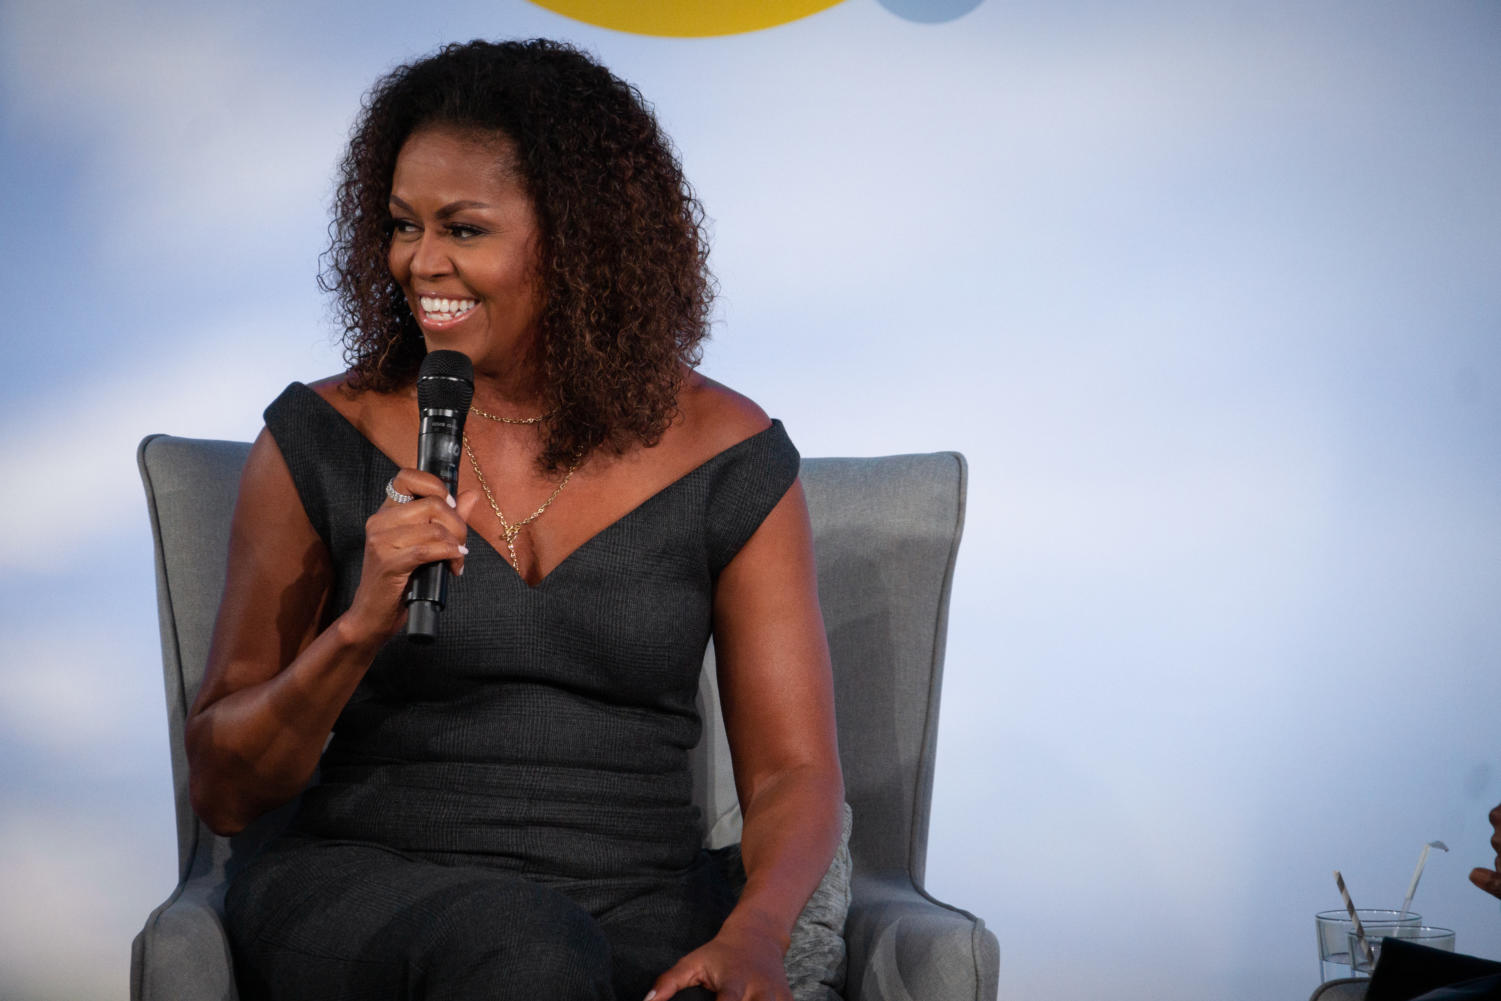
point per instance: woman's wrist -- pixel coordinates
(358, 634)
(749, 920)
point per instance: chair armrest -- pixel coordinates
(1344, 989)
(183, 952)
(906, 946)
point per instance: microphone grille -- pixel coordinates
(445, 381)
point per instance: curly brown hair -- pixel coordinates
(623, 258)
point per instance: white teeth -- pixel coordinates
(445, 309)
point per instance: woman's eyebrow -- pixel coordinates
(447, 210)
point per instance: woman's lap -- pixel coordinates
(352, 921)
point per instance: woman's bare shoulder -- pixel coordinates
(340, 393)
(716, 416)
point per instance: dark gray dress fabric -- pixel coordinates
(520, 783)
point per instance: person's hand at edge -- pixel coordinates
(1489, 880)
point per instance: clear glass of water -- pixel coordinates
(1377, 932)
(1334, 936)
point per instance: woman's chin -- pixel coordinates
(441, 341)
(457, 335)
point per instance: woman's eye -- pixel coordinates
(401, 226)
(461, 232)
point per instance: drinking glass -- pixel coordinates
(1377, 932)
(1334, 933)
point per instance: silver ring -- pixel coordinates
(396, 495)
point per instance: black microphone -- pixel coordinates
(445, 385)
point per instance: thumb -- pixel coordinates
(465, 501)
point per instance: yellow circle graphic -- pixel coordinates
(686, 18)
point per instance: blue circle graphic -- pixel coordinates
(930, 11)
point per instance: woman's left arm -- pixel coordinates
(777, 693)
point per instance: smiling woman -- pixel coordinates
(621, 256)
(508, 812)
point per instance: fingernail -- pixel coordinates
(460, 571)
(463, 550)
(650, 994)
(452, 502)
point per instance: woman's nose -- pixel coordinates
(429, 258)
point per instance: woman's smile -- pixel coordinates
(440, 313)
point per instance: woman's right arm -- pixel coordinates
(275, 684)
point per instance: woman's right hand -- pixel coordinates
(399, 538)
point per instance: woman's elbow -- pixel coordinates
(211, 788)
(214, 811)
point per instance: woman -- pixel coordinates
(507, 812)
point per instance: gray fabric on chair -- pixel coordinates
(906, 946)
(817, 958)
(886, 532)
(884, 564)
(183, 952)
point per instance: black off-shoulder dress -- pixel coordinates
(507, 811)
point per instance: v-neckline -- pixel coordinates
(587, 543)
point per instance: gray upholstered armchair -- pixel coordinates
(886, 533)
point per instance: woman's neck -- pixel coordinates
(517, 393)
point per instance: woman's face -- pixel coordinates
(464, 246)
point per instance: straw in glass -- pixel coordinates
(1417, 874)
(1365, 947)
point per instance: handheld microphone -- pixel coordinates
(445, 385)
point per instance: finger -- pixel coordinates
(465, 507)
(442, 511)
(399, 548)
(393, 526)
(468, 500)
(681, 975)
(419, 553)
(1488, 880)
(416, 483)
(422, 511)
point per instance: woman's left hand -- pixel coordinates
(736, 965)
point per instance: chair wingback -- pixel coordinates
(886, 531)
(191, 486)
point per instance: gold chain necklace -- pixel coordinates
(510, 420)
(509, 530)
